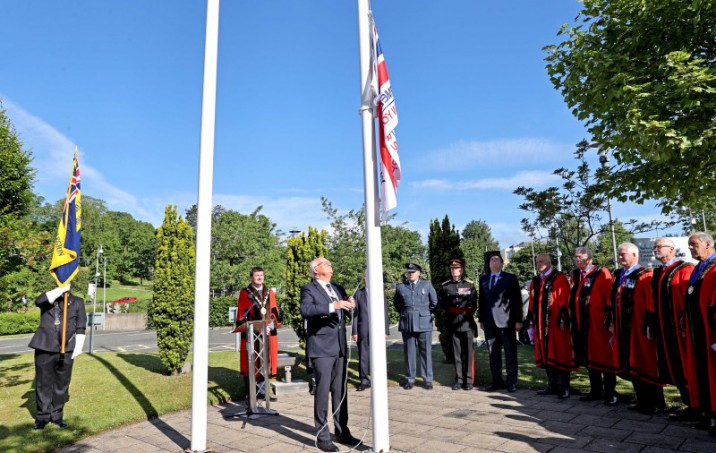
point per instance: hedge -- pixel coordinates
(219, 310)
(17, 323)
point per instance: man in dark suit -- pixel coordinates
(500, 316)
(325, 306)
(415, 299)
(53, 369)
(361, 334)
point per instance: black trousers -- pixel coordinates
(602, 383)
(330, 375)
(462, 346)
(498, 339)
(52, 381)
(364, 360)
(649, 396)
(557, 380)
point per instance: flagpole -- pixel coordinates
(378, 368)
(200, 365)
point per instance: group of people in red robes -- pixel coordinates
(651, 327)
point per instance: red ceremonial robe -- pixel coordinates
(591, 308)
(250, 300)
(549, 305)
(634, 308)
(670, 285)
(701, 314)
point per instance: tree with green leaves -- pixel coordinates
(641, 76)
(172, 307)
(573, 215)
(476, 240)
(443, 244)
(301, 250)
(17, 176)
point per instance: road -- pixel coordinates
(220, 339)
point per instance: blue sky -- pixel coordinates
(122, 80)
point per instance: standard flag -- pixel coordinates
(66, 251)
(387, 121)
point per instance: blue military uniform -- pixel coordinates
(415, 302)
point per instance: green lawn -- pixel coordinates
(113, 389)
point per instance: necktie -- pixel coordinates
(334, 298)
(493, 280)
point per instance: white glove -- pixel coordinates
(79, 342)
(53, 294)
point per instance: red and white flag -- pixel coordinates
(387, 121)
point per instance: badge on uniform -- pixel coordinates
(691, 289)
(629, 283)
(464, 291)
(263, 311)
(587, 283)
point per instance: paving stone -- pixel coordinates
(593, 420)
(611, 434)
(651, 426)
(708, 446)
(659, 440)
(605, 445)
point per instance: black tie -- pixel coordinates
(492, 282)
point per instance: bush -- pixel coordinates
(17, 323)
(219, 310)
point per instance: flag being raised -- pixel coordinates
(387, 121)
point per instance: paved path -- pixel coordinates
(435, 421)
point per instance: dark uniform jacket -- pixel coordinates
(415, 305)
(460, 301)
(49, 335)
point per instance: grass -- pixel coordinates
(109, 390)
(143, 293)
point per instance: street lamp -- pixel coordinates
(94, 300)
(604, 160)
(294, 232)
(104, 289)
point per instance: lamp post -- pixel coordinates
(94, 300)
(104, 290)
(559, 252)
(294, 232)
(604, 160)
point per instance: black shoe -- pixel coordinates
(428, 386)
(493, 387)
(457, 386)
(591, 397)
(564, 394)
(39, 424)
(547, 391)
(408, 385)
(707, 424)
(326, 445)
(348, 439)
(361, 387)
(467, 387)
(60, 423)
(512, 388)
(611, 401)
(636, 407)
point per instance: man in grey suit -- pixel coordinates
(325, 306)
(415, 299)
(53, 369)
(361, 334)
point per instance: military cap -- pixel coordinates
(412, 267)
(457, 262)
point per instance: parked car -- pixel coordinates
(124, 300)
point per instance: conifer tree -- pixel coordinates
(172, 309)
(443, 244)
(301, 251)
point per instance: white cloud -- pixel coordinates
(524, 178)
(464, 154)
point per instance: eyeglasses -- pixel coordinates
(657, 247)
(328, 263)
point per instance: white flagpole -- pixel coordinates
(374, 258)
(200, 365)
